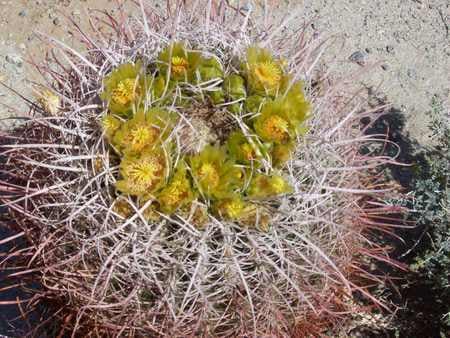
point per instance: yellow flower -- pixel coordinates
(264, 74)
(243, 149)
(268, 73)
(125, 92)
(265, 186)
(179, 62)
(124, 88)
(177, 193)
(141, 136)
(280, 120)
(279, 185)
(110, 125)
(214, 175)
(209, 173)
(281, 153)
(244, 213)
(295, 105)
(273, 128)
(231, 208)
(143, 174)
(179, 65)
(143, 130)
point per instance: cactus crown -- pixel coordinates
(225, 175)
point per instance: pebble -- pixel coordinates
(390, 49)
(56, 21)
(411, 73)
(384, 66)
(359, 57)
(22, 13)
(14, 59)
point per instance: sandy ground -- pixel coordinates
(407, 41)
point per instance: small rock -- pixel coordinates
(56, 21)
(14, 59)
(368, 50)
(385, 66)
(359, 57)
(390, 49)
(22, 13)
(411, 73)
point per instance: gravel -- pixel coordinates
(408, 39)
(359, 57)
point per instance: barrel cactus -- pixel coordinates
(196, 179)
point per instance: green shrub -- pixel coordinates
(431, 209)
(424, 292)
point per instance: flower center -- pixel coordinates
(179, 65)
(276, 128)
(176, 192)
(268, 73)
(278, 185)
(142, 136)
(110, 124)
(208, 174)
(146, 174)
(125, 92)
(234, 209)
